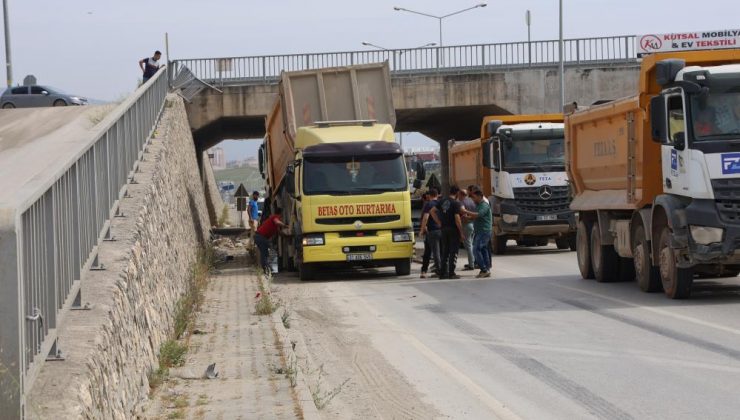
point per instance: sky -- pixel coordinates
(91, 47)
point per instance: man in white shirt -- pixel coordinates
(150, 65)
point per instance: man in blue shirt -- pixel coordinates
(253, 210)
(150, 65)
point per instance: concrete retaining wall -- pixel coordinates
(110, 348)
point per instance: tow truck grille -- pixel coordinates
(528, 200)
(727, 197)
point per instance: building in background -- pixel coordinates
(218, 158)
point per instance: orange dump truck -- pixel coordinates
(520, 165)
(657, 176)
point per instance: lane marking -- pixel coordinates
(497, 407)
(663, 312)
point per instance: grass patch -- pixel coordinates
(265, 305)
(320, 398)
(224, 218)
(202, 399)
(177, 414)
(172, 352)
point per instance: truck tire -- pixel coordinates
(403, 267)
(498, 244)
(542, 242)
(604, 258)
(648, 276)
(306, 271)
(676, 281)
(583, 253)
(626, 269)
(562, 243)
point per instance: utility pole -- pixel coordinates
(562, 61)
(8, 61)
(528, 19)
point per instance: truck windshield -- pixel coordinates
(716, 115)
(525, 154)
(354, 175)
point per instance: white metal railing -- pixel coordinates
(460, 58)
(50, 239)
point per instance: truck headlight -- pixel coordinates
(402, 236)
(510, 218)
(313, 239)
(705, 235)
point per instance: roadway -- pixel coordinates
(535, 341)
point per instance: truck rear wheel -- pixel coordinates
(604, 258)
(403, 267)
(306, 271)
(583, 254)
(648, 276)
(498, 244)
(676, 281)
(562, 243)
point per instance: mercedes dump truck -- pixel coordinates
(520, 165)
(333, 167)
(657, 176)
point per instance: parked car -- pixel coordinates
(35, 96)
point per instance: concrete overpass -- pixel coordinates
(442, 93)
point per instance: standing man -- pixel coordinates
(265, 233)
(431, 234)
(447, 215)
(468, 228)
(483, 229)
(150, 65)
(253, 211)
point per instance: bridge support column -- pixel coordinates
(444, 163)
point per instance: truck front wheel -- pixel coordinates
(648, 276)
(498, 244)
(306, 271)
(604, 258)
(676, 281)
(403, 267)
(583, 255)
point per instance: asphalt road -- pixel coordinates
(535, 341)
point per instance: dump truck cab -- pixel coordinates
(530, 193)
(696, 120)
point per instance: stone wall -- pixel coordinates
(110, 348)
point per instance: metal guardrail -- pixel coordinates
(461, 58)
(51, 237)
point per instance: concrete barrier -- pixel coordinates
(110, 348)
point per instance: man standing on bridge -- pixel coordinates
(150, 65)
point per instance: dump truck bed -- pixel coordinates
(353, 93)
(466, 166)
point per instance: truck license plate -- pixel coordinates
(547, 217)
(359, 257)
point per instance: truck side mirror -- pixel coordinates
(290, 180)
(487, 158)
(679, 140)
(658, 119)
(261, 160)
(421, 173)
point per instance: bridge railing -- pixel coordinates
(49, 239)
(460, 58)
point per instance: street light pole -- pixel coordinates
(439, 18)
(528, 19)
(8, 61)
(562, 61)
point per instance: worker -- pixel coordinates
(431, 234)
(253, 211)
(265, 232)
(483, 229)
(704, 124)
(447, 215)
(468, 229)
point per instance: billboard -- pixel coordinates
(687, 41)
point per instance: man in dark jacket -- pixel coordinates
(447, 215)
